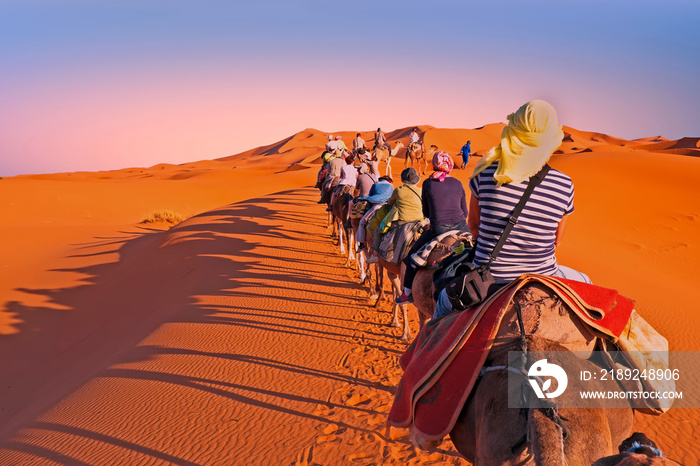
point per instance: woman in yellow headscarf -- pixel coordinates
(499, 180)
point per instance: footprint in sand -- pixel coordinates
(360, 458)
(358, 399)
(330, 429)
(305, 457)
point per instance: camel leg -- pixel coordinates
(352, 245)
(341, 236)
(361, 263)
(373, 281)
(396, 288)
(406, 334)
(395, 317)
(379, 281)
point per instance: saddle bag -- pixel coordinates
(476, 283)
(359, 209)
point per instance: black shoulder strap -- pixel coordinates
(414, 192)
(534, 181)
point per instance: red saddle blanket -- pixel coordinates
(442, 364)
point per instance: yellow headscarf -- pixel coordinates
(532, 135)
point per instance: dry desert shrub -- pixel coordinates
(164, 216)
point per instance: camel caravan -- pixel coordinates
(484, 278)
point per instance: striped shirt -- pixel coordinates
(530, 245)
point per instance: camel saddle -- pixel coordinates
(395, 244)
(442, 364)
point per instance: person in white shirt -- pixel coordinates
(357, 144)
(414, 138)
(342, 148)
(380, 141)
(331, 145)
(348, 180)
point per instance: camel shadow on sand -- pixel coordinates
(243, 268)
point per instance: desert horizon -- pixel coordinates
(238, 337)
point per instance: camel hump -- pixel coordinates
(544, 316)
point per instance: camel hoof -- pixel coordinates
(373, 296)
(405, 337)
(362, 279)
(394, 324)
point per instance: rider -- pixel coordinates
(357, 144)
(335, 166)
(527, 143)
(499, 179)
(331, 145)
(380, 192)
(414, 138)
(348, 178)
(380, 140)
(365, 180)
(373, 164)
(445, 205)
(406, 200)
(341, 145)
(348, 174)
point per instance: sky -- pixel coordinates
(98, 85)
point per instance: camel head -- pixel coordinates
(398, 146)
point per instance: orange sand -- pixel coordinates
(237, 337)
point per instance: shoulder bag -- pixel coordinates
(477, 283)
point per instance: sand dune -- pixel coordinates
(236, 337)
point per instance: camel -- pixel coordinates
(489, 432)
(361, 262)
(327, 196)
(422, 286)
(415, 152)
(340, 211)
(385, 155)
(393, 271)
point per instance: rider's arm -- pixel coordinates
(394, 196)
(474, 216)
(560, 230)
